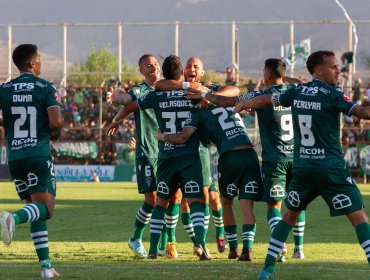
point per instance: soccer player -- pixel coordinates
(319, 168)
(193, 72)
(238, 169)
(276, 133)
(30, 111)
(146, 156)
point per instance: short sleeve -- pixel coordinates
(193, 119)
(285, 98)
(342, 102)
(52, 96)
(146, 100)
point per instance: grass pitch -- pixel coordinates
(92, 222)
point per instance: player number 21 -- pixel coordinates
(23, 112)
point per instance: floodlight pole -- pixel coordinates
(177, 38)
(292, 49)
(120, 52)
(65, 30)
(9, 52)
(350, 48)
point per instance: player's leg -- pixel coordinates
(250, 190)
(302, 190)
(230, 225)
(205, 204)
(39, 192)
(216, 207)
(360, 222)
(146, 182)
(344, 198)
(277, 240)
(171, 217)
(156, 225)
(191, 187)
(185, 217)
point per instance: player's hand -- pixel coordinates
(132, 143)
(160, 136)
(203, 103)
(197, 87)
(240, 106)
(113, 128)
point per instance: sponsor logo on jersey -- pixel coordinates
(23, 143)
(300, 104)
(309, 91)
(23, 86)
(341, 201)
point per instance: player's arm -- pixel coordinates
(127, 110)
(56, 122)
(220, 100)
(254, 103)
(361, 112)
(177, 138)
(290, 80)
(179, 85)
(118, 97)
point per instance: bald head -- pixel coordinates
(194, 70)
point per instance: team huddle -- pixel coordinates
(299, 131)
(177, 118)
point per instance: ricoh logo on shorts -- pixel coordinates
(251, 187)
(232, 190)
(277, 191)
(341, 201)
(293, 198)
(163, 188)
(192, 187)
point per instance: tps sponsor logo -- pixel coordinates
(309, 91)
(23, 86)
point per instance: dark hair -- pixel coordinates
(276, 66)
(143, 57)
(317, 58)
(23, 54)
(172, 67)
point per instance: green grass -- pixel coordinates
(89, 231)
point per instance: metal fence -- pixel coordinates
(243, 45)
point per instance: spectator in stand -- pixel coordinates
(368, 91)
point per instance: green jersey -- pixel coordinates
(24, 102)
(225, 129)
(316, 109)
(275, 127)
(172, 109)
(146, 125)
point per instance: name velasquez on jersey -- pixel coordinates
(172, 109)
(24, 102)
(316, 109)
(275, 126)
